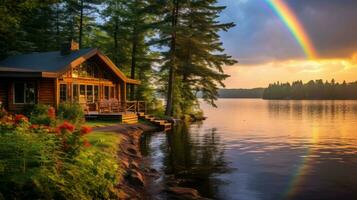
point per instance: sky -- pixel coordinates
(267, 51)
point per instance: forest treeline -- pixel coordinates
(241, 93)
(172, 46)
(312, 90)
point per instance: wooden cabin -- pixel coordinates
(85, 76)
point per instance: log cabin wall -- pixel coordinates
(44, 92)
(4, 86)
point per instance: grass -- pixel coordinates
(105, 141)
(101, 123)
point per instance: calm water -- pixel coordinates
(254, 149)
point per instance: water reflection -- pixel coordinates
(283, 150)
(193, 157)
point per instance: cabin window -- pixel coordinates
(106, 92)
(90, 96)
(24, 92)
(112, 92)
(86, 70)
(82, 90)
(96, 93)
(63, 92)
(75, 92)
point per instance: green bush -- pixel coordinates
(71, 112)
(90, 175)
(22, 155)
(40, 115)
(40, 162)
(3, 112)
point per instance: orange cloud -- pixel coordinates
(260, 75)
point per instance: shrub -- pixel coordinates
(71, 112)
(41, 162)
(3, 112)
(43, 115)
(89, 175)
(22, 154)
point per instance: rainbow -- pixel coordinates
(294, 26)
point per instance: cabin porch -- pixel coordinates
(125, 112)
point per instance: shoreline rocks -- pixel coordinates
(137, 174)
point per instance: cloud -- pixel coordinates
(260, 75)
(261, 37)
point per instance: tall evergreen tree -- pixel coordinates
(194, 59)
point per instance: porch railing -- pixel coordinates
(115, 106)
(135, 106)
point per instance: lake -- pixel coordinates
(256, 149)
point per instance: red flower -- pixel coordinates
(51, 113)
(85, 130)
(34, 126)
(86, 143)
(66, 126)
(20, 118)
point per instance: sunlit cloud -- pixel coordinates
(260, 75)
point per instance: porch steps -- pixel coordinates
(129, 118)
(164, 125)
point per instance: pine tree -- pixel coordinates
(194, 59)
(80, 18)
(129, 25)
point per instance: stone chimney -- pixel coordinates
(68, 47)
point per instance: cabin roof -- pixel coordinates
(52, 64)
(42, 62)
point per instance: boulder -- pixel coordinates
(183, 193)
(135, 178)
(134, 165)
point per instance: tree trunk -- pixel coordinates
(133, 61)
(80, 25)
(116, 41)
(170, 90)
(58, 43)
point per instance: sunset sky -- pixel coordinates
(267, 50)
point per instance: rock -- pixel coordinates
(134, 165)
(123, 195)
(125, 164)
(152, 170)
(184, 193)
(135, 178)
(132, 151)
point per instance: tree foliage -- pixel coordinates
(311, 90)
(172, 46)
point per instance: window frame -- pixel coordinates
(66, 85)
(24, 92)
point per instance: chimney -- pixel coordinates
(68, 47)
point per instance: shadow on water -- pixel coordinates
(193, 157)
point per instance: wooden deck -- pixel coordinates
(124, 112)
(122, 117)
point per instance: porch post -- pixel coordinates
(123, 95)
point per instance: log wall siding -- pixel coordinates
(46, 92)
(3, 93)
